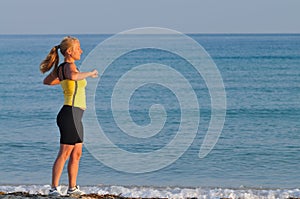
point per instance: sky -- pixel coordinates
(113, 16)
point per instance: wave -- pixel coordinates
(164, 192)
(259, 57)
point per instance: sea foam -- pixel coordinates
(164, 192)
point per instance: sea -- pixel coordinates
(253, 153)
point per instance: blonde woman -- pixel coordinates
(73, 84)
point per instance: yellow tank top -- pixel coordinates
(74, 92)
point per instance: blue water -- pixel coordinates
(259, 145)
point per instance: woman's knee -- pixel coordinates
(65, 152)
(76, 153)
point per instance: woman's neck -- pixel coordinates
(69, 60)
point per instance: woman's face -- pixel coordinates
(76, 51)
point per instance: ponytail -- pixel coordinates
(51, 60)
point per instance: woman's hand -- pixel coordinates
(94, 73)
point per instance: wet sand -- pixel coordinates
(24, 195)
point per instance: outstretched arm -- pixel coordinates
(73, 74)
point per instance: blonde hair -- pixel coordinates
(52, 58)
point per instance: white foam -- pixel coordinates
(165, 192)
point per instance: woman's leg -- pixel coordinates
(63, 154)
(74, 164)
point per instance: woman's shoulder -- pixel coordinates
(71, 66)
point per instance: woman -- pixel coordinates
(69, 118)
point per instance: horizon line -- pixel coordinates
(189, 33)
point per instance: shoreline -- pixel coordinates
(142, 192)
(26, 195)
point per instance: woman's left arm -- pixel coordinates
(51, 79)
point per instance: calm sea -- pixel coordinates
(259, 146)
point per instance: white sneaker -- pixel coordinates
(55, 191)
(75, 191)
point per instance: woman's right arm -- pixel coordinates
(73, 74)
(51, 79)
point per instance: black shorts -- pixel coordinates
(69, 121)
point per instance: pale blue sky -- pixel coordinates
(113, 16)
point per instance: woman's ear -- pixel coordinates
(69, 51)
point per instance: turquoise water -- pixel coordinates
(258, 147)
